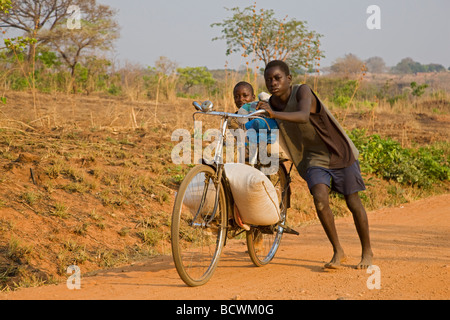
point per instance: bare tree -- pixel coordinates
(376, 65)
(166, 75)
(97, 32)
(348, 65)
(165, 66)
(31, 16)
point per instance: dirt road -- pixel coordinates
(411, 245)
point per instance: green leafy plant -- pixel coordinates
(386, 158)
(266, 37)
(192, 76)
(418, 90)
(343, 93)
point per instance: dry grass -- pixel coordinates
(91, 181)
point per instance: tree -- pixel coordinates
(31, 16)
(349, 64)
(5, 5)
(435, 67)
(192, 76)
(408, 65)
(376, 65)
(165, 66)
(97, 33)
(166, 76)
(268, 38)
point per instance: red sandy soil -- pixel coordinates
(411, 245)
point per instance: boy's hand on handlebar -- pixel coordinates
(263, 105)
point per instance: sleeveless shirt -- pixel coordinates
(321, 141)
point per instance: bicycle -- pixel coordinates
(203, 214)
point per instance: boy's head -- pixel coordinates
(243, 93)
(278, 77)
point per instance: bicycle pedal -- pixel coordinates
(290, 230)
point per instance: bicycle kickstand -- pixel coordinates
(289, 230)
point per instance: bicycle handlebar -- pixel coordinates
(232, 115)
(206, 108)
(253, 115)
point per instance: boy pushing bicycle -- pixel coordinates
(322, 153)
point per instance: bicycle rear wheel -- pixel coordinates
(198, 239)
(263, 241)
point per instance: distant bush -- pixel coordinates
(408, 65)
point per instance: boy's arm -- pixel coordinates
(305, 106)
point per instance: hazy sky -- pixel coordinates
(180, 29)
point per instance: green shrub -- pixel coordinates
(343, 92)
(386, 158)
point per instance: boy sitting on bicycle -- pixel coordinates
(244, 99)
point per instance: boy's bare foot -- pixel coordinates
(366, 261)
(336, 261)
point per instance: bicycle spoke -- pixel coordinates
(263, 242)
(197, 241)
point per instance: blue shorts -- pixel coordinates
(345, 181)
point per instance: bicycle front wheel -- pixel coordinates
(198, 234)
(263, 241)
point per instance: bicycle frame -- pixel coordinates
(217, 161)
(196, 252)
(225, 115)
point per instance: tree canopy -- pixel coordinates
(263, 37)
(98, 31)
(408, 65)
(349, 64)
(192, 76)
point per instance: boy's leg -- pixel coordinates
(349, 182)
(320, 194)
(362, 226)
